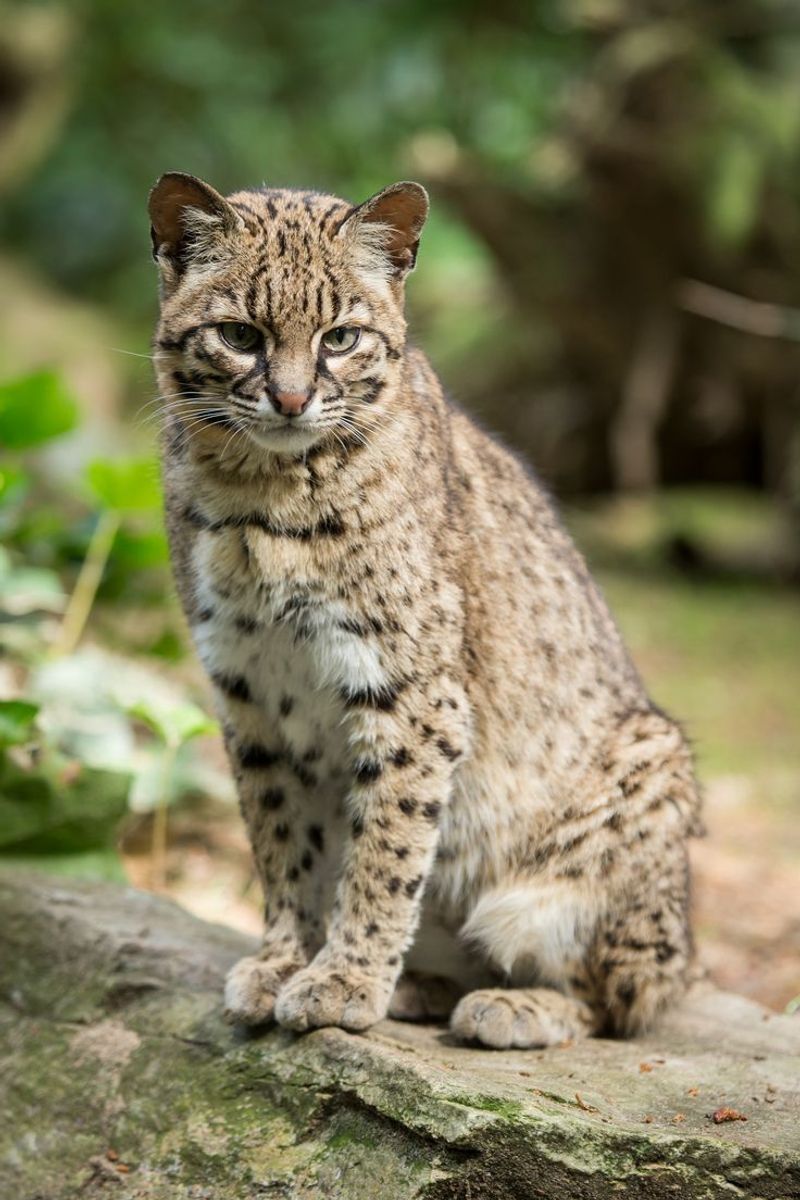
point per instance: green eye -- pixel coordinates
(341, 339)
(239, 336)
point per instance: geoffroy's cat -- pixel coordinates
(460, 799)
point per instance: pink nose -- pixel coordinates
(290, 404)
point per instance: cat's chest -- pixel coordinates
(302, 652)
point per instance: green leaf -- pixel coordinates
(175, 724)
(733, 187)
(34, 409)
(30, 589)
(136, 550)
(16, 721)
(14, 482)
(125, 484)
(42, 814)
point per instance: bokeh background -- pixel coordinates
(610, 279)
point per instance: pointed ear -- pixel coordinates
(390, 222)
(187, 216)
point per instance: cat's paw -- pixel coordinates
(251, 987)
(317, 996)
(421, 997)
(524, 1018)
(496, 1018)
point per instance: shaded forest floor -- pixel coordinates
(722, 654)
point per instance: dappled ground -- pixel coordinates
(721, 654)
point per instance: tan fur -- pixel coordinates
(422, 690)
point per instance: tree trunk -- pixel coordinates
(122, 1080)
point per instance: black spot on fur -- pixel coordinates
(307, 778)
(401, 757)
(247, 624)
(407, 805)
(368, 771)
(286, 705)
(447, 749)
(431, 810)
(412, 887)
(234, 686)
(273, 798)
(255, 756)
(316, 836)
(384, 699)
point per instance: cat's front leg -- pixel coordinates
(400, 788)
(272, 796)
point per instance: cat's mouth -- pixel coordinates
(289, 436)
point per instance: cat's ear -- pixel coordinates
(390, 222)
(189, 219)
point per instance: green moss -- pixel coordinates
(509, 1110)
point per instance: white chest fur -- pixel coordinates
(301, 652)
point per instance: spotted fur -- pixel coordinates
(444, 756)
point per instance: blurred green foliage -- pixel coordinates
(584, 156)
(342, 94)
(34, 409)
(92, 736)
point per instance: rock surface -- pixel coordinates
(119, 1078)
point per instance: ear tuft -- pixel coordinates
(179, 205)
(396, 215)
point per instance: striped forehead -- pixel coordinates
(297, 272)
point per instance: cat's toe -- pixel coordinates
(316, 997)
(251, 986)
(486, 1017)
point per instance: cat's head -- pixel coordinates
(281, 312)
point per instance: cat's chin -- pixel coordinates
(287, 439)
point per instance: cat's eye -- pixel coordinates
(341, 339)
(240, 336)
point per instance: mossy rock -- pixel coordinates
(121, 1079)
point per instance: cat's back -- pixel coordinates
(536, 619)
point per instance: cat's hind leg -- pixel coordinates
(535, 935)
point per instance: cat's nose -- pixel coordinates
(290, 404)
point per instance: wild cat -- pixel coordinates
(460, 799)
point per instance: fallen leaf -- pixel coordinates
(693, 1091)
(676, 1120)
(727, 1114)
(583, 1105)
(645, 1067)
